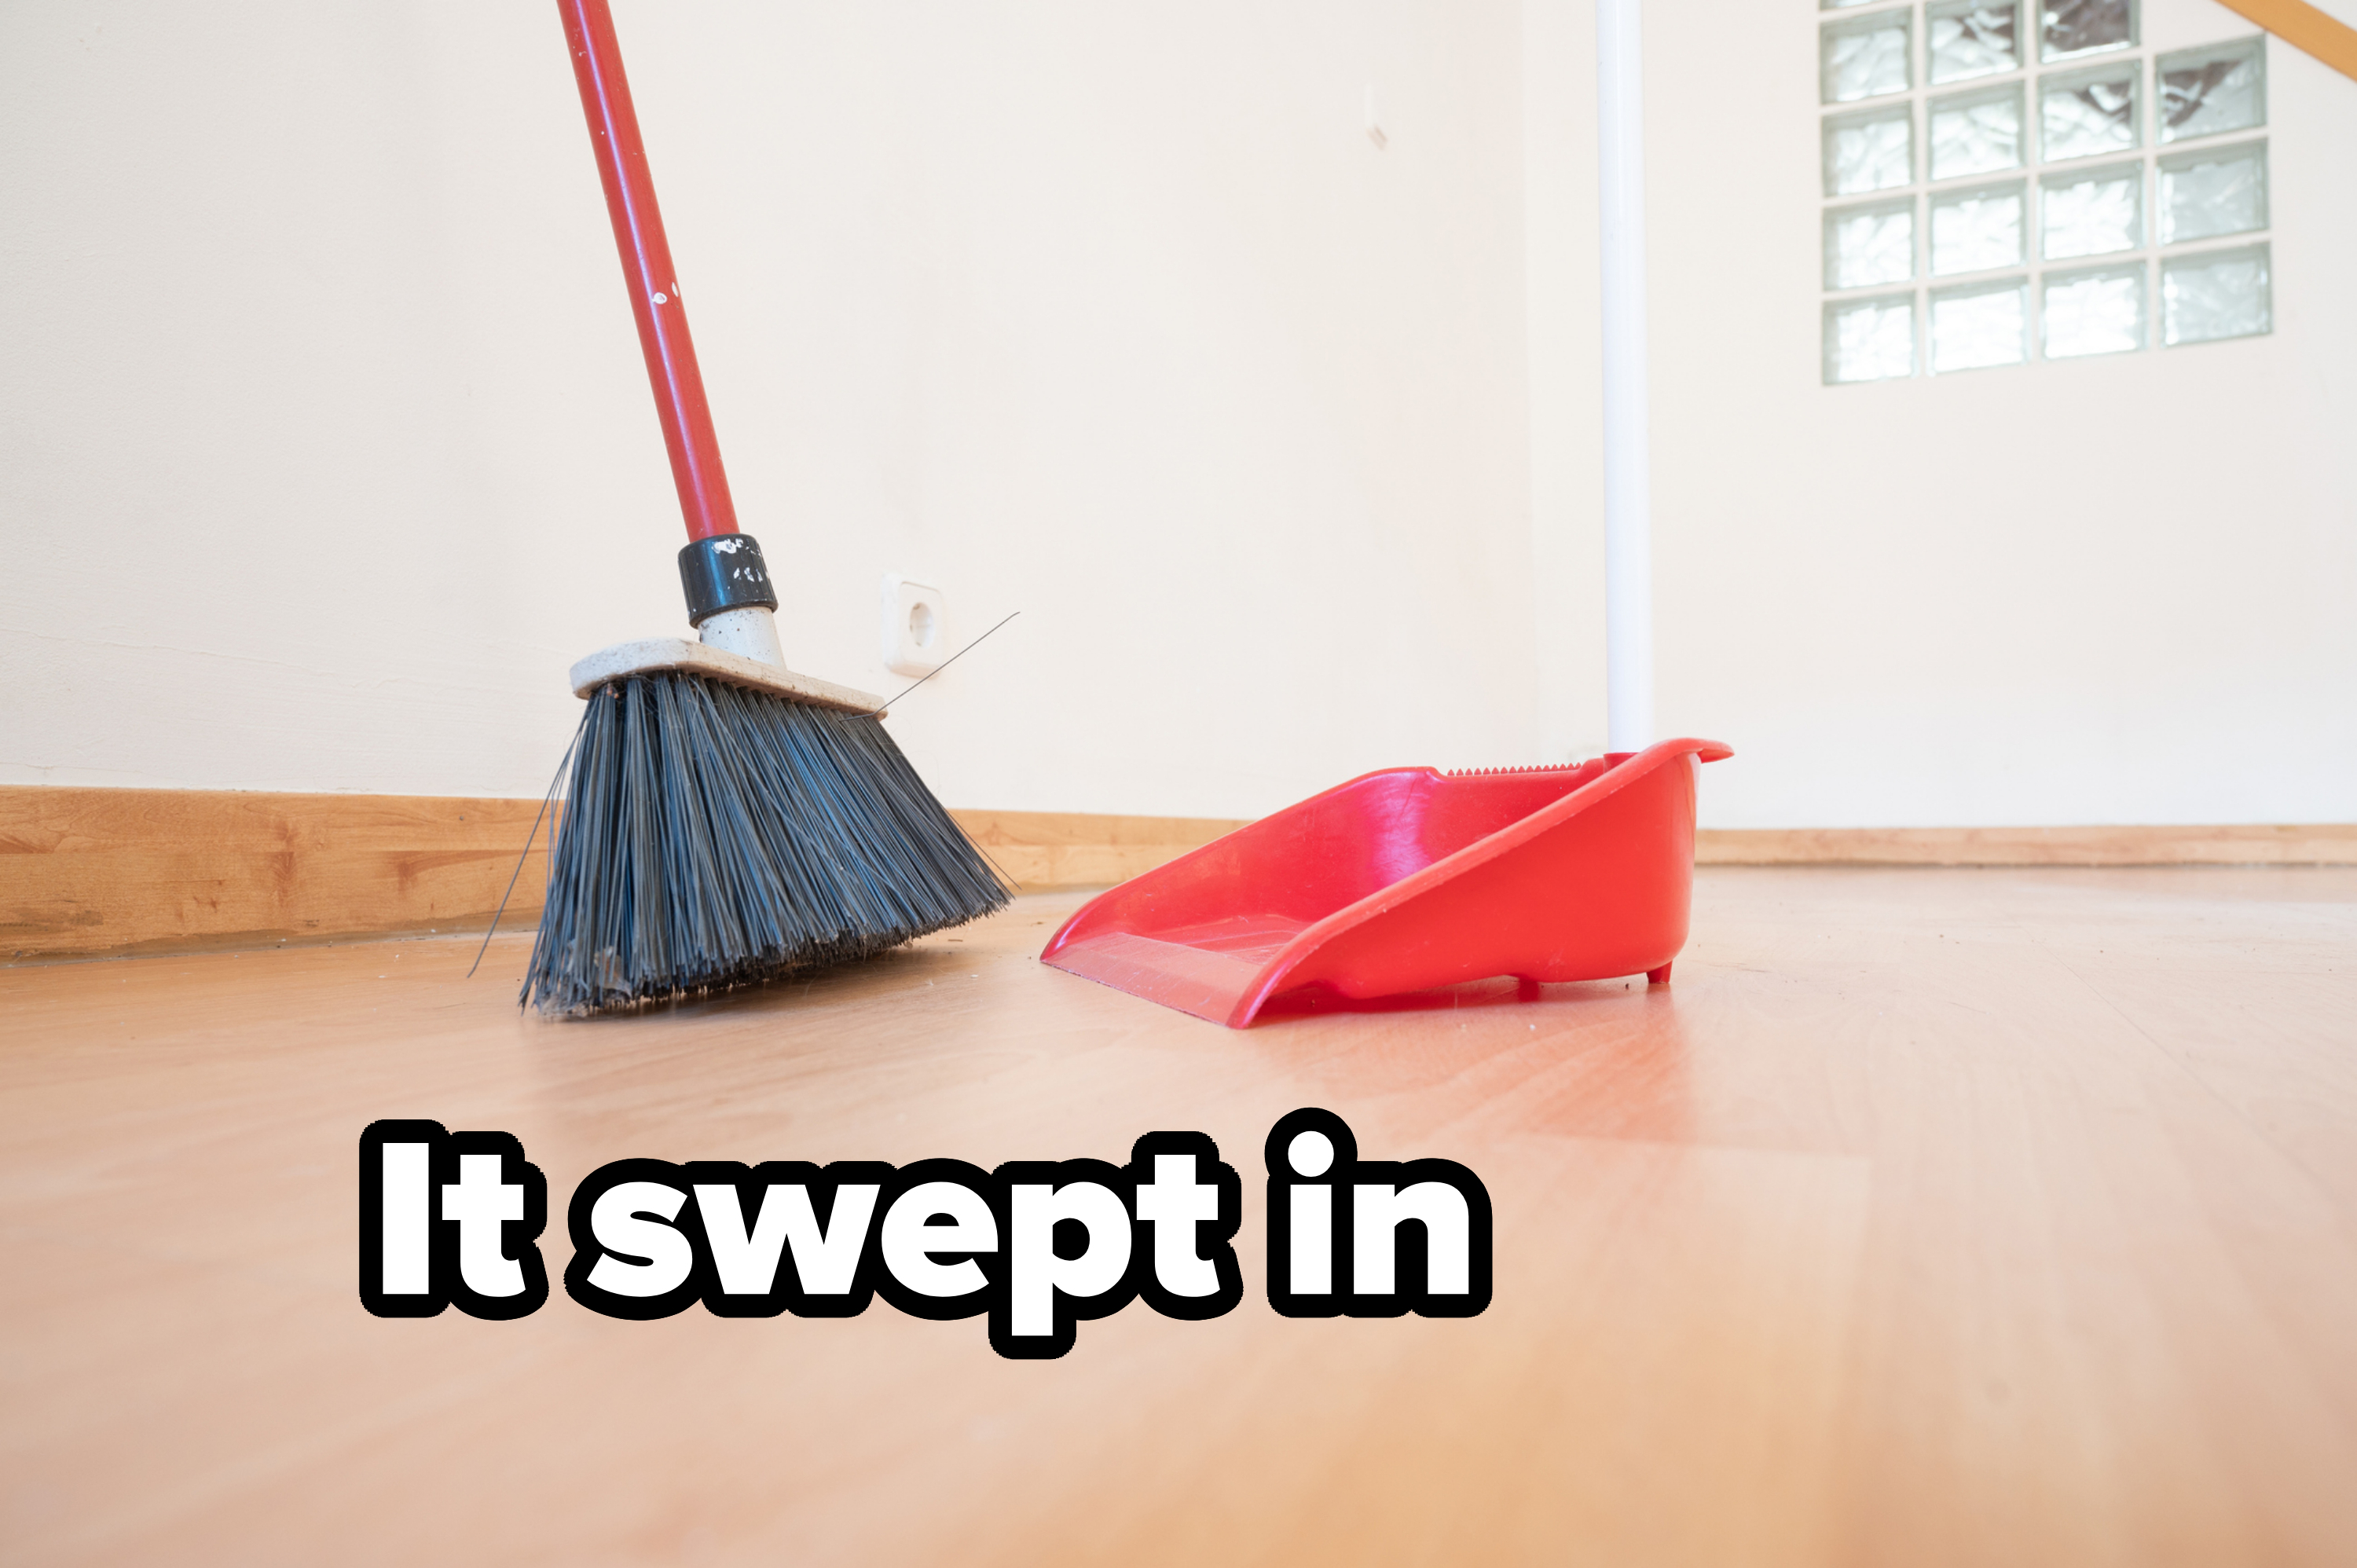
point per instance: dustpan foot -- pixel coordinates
(1658, 976)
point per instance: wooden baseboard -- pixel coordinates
(1045, 851)
(2333, 844)
(103, 871)
(85, 872)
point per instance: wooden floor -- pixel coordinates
(1931, 1216)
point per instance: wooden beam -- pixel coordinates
(2305, 28)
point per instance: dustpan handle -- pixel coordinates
(646, 264)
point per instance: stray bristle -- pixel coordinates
(714, 836)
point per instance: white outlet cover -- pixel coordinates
(916, 625)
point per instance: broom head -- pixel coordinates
(727, 823)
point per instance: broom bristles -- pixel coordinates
(716, 836)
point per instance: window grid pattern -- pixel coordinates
(2012, 180)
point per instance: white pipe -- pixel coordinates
(1628, 488)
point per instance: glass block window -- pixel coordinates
(2219, 190)
(1870, 243)
(1870, 339)
(2010, 181)
(1970, 38)
(1980, 325)
(2091, 212)
(1977, 133)
(2204, 92)
(2086, 114)
(2214, 293)
(1976, 230)
(1871, 150)
(2073, 27)
(2100, 311)
(1867, 58)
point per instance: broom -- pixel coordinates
(726, 821)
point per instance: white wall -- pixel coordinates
(2117, 590)
(325, 446)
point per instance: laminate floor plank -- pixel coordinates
(1930, 1215)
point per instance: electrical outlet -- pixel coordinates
(916, 625)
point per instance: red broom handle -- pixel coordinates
(646, 264)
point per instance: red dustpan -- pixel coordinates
(1412, 878)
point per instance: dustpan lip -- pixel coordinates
(1480, 852)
